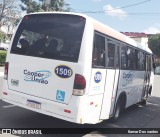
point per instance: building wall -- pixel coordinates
(142, 40)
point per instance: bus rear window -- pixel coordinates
(52, 36)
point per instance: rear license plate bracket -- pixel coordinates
(33, 104)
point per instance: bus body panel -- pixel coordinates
(132, 83)
(108, 94)
(80, 109)
(114, 93)
(40, 74)
(30, 76)
(97, 82)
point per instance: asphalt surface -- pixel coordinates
(136, 116)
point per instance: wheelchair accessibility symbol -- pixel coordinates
(60, 95)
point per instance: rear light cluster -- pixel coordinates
(67, 111)
(6, 70)
(5, 93)
(79, 85)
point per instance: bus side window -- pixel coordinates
(99, 51)
(111, 55)
(137, 59)
(117, 57)
(144, 61)
(123, 57)
(149, 62)
(141, 61)
(131, 60)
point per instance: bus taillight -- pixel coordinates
(6, 70)
(79, 85)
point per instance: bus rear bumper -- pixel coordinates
(80, 109)
(47, 107)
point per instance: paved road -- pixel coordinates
(135, 117)
(156, 86)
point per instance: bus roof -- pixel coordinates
(98, 26)
(117, 35)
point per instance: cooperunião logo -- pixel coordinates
(127, 78)
(37, 76)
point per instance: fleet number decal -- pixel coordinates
(63, 71)
(98, 77)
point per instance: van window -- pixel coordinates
(131, 60)
(117, 58)
(141, 61)
(123, 57)
(111, 55)
(99, 51)
(52, 36)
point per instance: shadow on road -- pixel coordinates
(136, 116)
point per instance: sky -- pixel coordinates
(122, 15)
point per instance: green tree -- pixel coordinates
(9, 15)
(8, 11)
(2, 36)
(154, 45)
(31, 6)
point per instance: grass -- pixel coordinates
(3, 54)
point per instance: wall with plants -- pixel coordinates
(3, 54)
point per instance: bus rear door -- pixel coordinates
(111, 81)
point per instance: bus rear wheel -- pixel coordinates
(117, 112)
(143, 102)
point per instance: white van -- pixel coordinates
(72, 67)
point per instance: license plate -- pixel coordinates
(33, 104)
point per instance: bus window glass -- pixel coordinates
(123, 57)
(144, 61)
(131, 61)
(99, 51)
(111, 55)
(141, 61)
(148, 62)
(136, 59)
(117, 59)
(53, 36)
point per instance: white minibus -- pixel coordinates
(72, 67)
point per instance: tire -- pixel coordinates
(143, 102)
(117, 112)
(150, 90)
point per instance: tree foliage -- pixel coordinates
(3, 54)
(31, 6)
(2, 37)
(9, 16)
(154, 45)
(8, 11)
